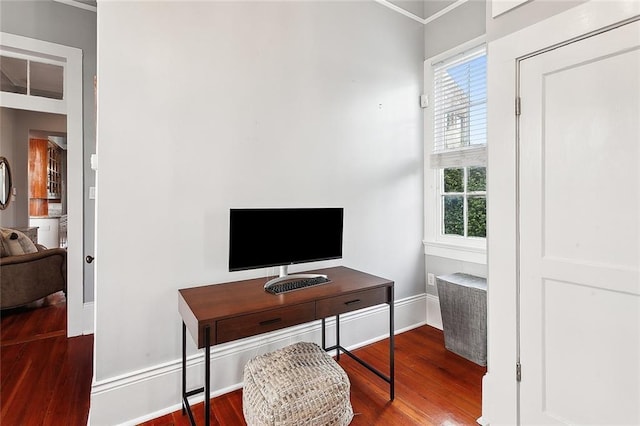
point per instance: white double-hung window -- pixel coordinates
(456, 152)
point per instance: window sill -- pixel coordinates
(456, 252)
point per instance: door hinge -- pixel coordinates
(518, 372)
(518, 106)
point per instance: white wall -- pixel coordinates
(217, 105)
(465, 22)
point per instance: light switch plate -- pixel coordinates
(431, 279)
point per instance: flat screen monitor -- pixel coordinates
(260, 238)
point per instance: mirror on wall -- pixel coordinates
(5, 183)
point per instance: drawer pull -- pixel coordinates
(351, 302)
(271, 321)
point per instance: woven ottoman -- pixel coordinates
(297, 385)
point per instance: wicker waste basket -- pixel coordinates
(299, 384)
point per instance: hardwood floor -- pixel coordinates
(45, 378)
(433, 387)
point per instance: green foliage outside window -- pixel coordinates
(454, 215)
(477, 179)
(477, 217)
(465, 189)
(453, 180)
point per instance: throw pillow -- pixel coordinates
(15, 243)
(4, 251)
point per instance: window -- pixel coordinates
(28, 77)
(460, 109)
(464, 201)
(455, 143)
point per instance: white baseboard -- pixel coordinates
(434, 317)
(153, 392)
(87, 318)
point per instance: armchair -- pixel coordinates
(25, 278)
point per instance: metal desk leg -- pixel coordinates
(184, 366)
(186, 408)
(391, 348)
(324, 345)
(338, 337)
(207, 375)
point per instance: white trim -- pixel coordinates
(500, 391)
(434, 316)
(400, 10)
(444, 11)
(456, 252)
(33, 103)
(78, 4)
(152, 392)
(468, 45)
(75, 207)
(87, 318)
(498, 7)
(408, 14)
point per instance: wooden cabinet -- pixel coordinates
(38, 163)
(45, 175)
(54, 172)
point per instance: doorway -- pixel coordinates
(71, 105)
(47, 182)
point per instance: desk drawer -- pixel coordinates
(350, 302)
(262, 322)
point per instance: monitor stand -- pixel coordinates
(284, 276)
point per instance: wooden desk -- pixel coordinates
(221, 313)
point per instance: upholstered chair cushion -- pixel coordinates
(15, 243)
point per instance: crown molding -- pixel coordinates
(444, 11)
(388, 4)
(400, 10)
(78, 4)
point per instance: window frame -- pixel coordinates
(29, 101)
(469, 249)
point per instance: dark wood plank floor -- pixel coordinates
(45, 378)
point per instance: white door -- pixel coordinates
(579, 190)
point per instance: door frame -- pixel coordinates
(501, 399)
(72, 108)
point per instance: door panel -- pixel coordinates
(579, 232)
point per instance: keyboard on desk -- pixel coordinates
(297, 284)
